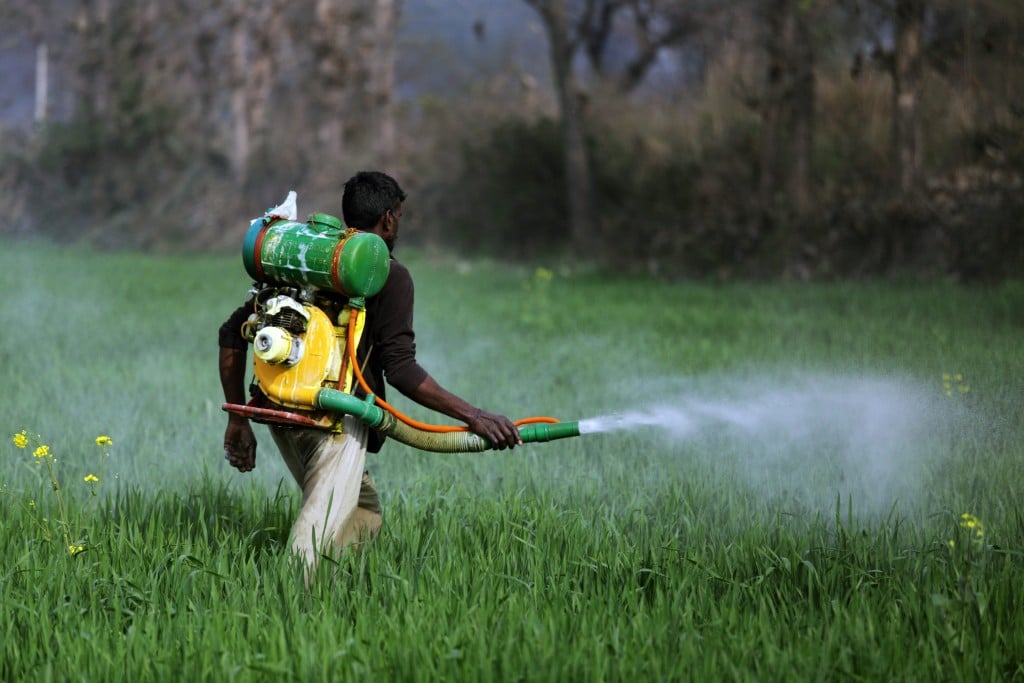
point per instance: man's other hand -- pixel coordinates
(240, 445)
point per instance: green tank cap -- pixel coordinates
(324, 222)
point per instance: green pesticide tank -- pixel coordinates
(318, 253)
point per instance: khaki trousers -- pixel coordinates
(339, 502)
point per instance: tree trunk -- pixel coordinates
(382, 82)
(788, 111)
(204, 87)
(238, 62)
(266, 21)
(578, 182)
(330, 41)
(42, 105)
(36, 18)
(253, 68)
(907, 141)
(93, 87)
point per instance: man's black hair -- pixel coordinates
(367, 196)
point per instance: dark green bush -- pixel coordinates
(508, 198)
(658, 212)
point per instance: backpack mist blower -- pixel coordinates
(305, 359)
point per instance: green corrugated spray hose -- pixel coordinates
(438, 442)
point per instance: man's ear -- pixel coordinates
(387, 224)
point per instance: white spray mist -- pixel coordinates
(868, 440)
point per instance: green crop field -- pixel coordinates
(785, 482)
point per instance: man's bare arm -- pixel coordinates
(239, 440)
(497, 429)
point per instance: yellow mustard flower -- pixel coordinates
(104, 441)
(21, 439)
(955, 384)
(75, 549)
(91, 478)
(42, 452)
(969, 521)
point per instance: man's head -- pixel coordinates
(372, 202)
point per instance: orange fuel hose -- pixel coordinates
(398, 415)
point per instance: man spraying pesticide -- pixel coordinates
(329, 319)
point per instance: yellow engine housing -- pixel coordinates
(321, 365)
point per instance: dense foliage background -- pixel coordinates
(764, 138)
